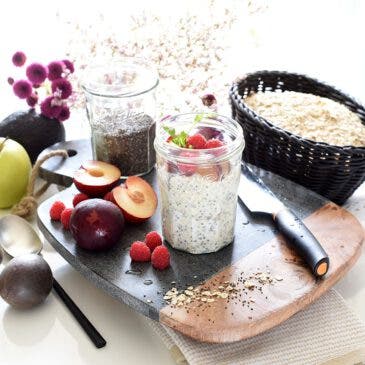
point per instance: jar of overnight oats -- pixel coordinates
(198, 180)
(120, 104)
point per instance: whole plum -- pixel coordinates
(96, 224)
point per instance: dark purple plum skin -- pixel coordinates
(26, 281)
(96, 224)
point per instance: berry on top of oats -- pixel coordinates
(196, 141)
(214, 143)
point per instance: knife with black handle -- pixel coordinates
(258, 198)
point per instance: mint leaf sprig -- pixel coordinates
(181, 138)
(178, 139)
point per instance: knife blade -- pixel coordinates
(258, 198)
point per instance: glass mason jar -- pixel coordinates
(120, 104)
(198, 187)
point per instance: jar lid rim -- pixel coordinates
(124, 77)
(201, 155)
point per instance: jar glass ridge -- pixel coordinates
(198, 187)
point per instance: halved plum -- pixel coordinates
(96, 178)
(136, 199)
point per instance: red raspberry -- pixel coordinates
(79, 198)
(160, 258)
(186, 168)
(197, 141)
(109, 197)
(65, 217)
(56, 209)
(152, 240)
(140, 252)
(214, 143)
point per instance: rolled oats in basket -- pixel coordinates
(310, 116)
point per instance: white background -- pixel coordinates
(324, 39)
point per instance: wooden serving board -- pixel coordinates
(256, 248)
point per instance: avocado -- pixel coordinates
(33, 131)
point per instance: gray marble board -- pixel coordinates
(255, 236)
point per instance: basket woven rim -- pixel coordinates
(237, 99)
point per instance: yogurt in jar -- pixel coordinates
(198, 212)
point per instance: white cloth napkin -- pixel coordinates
(327, 332)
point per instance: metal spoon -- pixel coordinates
(17, 237)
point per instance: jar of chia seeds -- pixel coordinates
(198, 180)
(120, 104)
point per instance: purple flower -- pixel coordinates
(19, 58)
(32, 100)
(69, 65)
(10, 81)
(64, 113)
(50, 108)
(36, 73)
(22, 89)
(208, 100)
(63, 87)
(55, 70)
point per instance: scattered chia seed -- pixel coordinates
(203, 297)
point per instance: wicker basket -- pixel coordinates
(332, 171)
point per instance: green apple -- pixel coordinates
(15, 169)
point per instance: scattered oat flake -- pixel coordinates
(206, 293)
(229, 290)
(249, 284)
